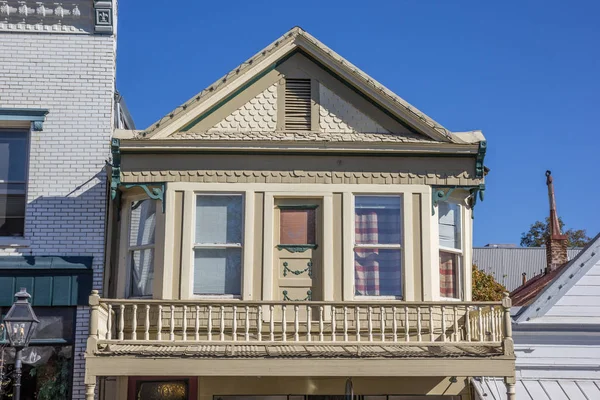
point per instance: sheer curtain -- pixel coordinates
(450, 247)
(377, 269)
(141, 247)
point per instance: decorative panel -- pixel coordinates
(297, 226)
(162, 390)
(337, 115)
(259, 114)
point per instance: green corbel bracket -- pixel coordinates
(442, 193)
(154, 190)
(115, 181)
(479, 167)
(478, 191)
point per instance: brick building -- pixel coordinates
(57, 109)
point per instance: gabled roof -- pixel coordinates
(298, 40)
(541, 294)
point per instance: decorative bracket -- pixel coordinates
(115, 181)
(156, 191)
(479, 167)
(287, 269)
(307, 298)
(297, 248)
(442, 193)
(103, 16)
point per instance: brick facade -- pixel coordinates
(73, 76)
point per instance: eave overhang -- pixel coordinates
(195, 146)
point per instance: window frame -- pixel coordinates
(400, 246)
(194, 245)
(460, 252)
(21, 239)
(129, 249)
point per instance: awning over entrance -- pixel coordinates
(51, 280)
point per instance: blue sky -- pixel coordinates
(524, 72)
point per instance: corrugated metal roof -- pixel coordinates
(508, 264)
(539, 389)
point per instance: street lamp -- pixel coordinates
(20, 323)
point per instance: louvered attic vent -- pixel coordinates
(297, 104)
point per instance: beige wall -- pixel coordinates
(420, 248)
(116, 388)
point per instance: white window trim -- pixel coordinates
(459, 251)
(247, 241)
(128, 249)
(20, 241)
(400, 246)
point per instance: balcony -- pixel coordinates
(475, 332)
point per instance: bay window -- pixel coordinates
(378, 246)
(449, 223)
(218, 245)
(142, 227)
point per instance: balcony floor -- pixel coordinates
(300, 350)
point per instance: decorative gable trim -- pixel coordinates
(296, 40)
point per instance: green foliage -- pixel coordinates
(485, 287)
(53, 379)
(539, 232)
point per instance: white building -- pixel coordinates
(57, 111)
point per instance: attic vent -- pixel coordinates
(297, 104)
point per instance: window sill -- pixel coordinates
(16, 242)
(449, 299)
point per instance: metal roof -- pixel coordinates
(508, 264)
(538, 389)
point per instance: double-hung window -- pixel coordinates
(449, 223)
(378, 245)
(218, 244)
(14, 145)
(142, 227)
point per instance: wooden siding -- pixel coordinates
(581, 303)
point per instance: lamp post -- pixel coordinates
(20, 323)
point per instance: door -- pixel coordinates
(298, 254)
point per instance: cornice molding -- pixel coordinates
(45, 16)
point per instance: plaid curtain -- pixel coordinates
(376, 271)
(448, 274)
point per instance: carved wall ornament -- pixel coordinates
(45, 16)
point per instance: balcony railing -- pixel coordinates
(309, 322)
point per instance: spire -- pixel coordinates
(556, 244)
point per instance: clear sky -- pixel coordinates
(524, 72)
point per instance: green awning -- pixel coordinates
(51, 280)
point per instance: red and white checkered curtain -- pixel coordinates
(377, 271)
(447, 274)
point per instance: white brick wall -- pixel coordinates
(73, 76)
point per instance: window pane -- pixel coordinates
(13, 227)
(142, 223)
(217, 271)
(449, 264)
(377, 219)
(219, 219)
(13, 156)
(142, 272)
(297, 227)
(449, 224)
(378, 272)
